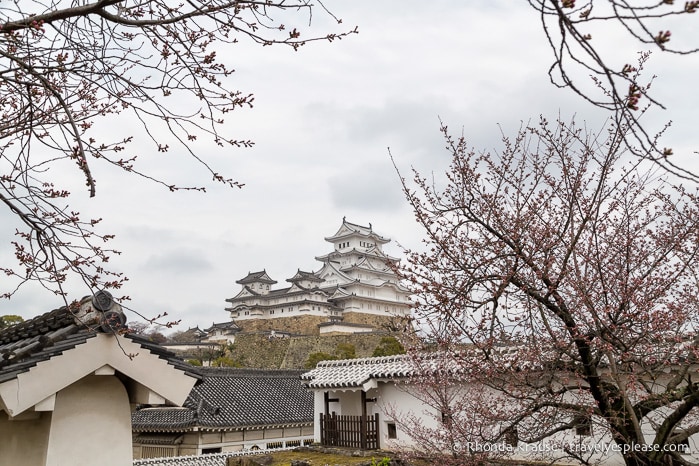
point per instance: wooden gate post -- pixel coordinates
(363, 425)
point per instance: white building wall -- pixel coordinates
(340, 328)
(91, 424)
(24, 441)
(318, 407)
(393, 401)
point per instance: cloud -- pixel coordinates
(178, 262)
(371, 188)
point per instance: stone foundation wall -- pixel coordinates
(298, 325)
(380, 323)
(308, 325)
(300, 348)
(254, 348)
(259, 351)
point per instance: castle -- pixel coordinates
(355, 290)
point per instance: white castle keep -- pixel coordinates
(355, 278)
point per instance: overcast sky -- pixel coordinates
(323, 122)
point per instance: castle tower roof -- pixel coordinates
(348, 229)
(301, 275)
(256, 277)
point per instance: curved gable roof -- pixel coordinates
(355, 373)
(43, 355)
(256, 277)
(348, 229)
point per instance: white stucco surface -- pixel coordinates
(91, 424)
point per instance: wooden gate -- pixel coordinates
(350, 431)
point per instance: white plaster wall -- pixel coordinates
(24, 442)
(597, 448)
(339, 328)
(396, 399)
(318, 407)
(349, 401)
(91, 424)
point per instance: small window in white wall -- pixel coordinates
(583, 425)
(391, 430)
(511, 437)
(446, 417)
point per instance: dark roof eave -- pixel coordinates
(304, 423)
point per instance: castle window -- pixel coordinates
(511, 437)
(583, 425)
(446, 417)
(392, 431)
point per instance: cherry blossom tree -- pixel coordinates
(595, 39)
(560, 278)
(71, 71)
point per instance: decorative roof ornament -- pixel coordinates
(102, 300)
(112, 321)
(112, 318)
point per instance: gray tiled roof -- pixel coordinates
(229, 325)
(256, 277)
(24, 345)
(174, 419)
(355, 228)
(159, 439)
(231, 399)
(354, 373)
(301, 275)
(348, 373)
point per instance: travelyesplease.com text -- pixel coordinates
(570, 447)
